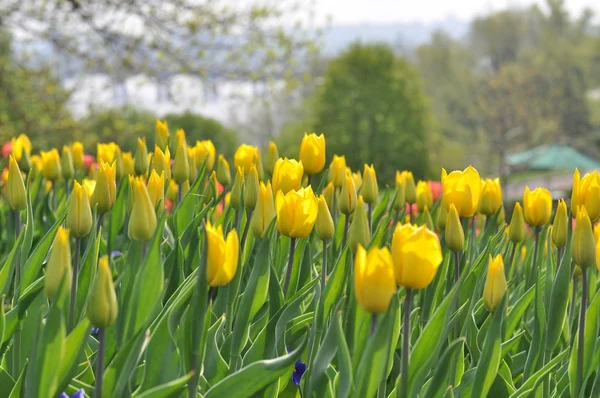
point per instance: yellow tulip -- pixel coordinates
(287, 175)
(296, 212)
(185, 187)
(337, 171)
(374, 284)
(597, 232)
(79, 216)
(78, 155)
(161, 135)
(424, 196)
(537, 206)
(222, 255)
(156, 190)
(324, 225)
(442, 216)
(264, 212)
(348, 196)
(205, 152)
(106, 152)
(586, 192)
(212, 191)
(16, 192)
(51, 168)
(560, 227)
(417, 255)
(223, 171)
(516, 232)
(58, 268)
(426, 219)
(328, 193)
(245, 156)
(25, 162)
(495, 283)
(36, 166)
(105, 192)
(66, 159)
(181, 165)
(583, 243)
(161, 161)
(357, 178)
(128, 163)
(142, 222)
(491, 197)
(141, 158)
(455, 236)
(400, 200)
(251, 188)
(237, 189)
(90, 186)
(272, 157)
(19, 146)
(370, 190)
(312, 153)
(410, 190)
(463, 189)
(120, 169)
(172, 191)
(191, 156)
(359, 232)
(102, 307)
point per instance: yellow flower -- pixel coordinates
(102, 307)
(51, 161)
(312, 153)
(223, 171)
(106, 152)
(560, 227)
(142, 222)
(537, 206)
(105, 192)
(251, 188)
(68, 170)
(192, 163)
(357, 178)
(586, 192)
(79, 216)
(205, 151)
(222, 255)
(406, 179)
(359, 232)
(374, 283)
(348, 196)
(370, 190)
(128, 163)
(90, 186)
(328, 193)
(19, 145)
(597, 232)
(161, 135)
(442, 216)
(417, 255)
(272, 157)
(78, 154)
(245, 156)
(516, 232)
(161, 161)
(37, 165)
(455, 236)
(337, 171)
(400, 200)
(495, 283)
(424, 196)
(287, 175)
(237, 189)
(17, 195)
(264, 212)
(172, 191)
(296, 212)
(58, 268)
(156, 190)
(141, 158)
(324, 224)
(491, 197)
(181, 165)
(463, 189)
(583, 243)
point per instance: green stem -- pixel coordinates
(403, 391)
(370, 214)
(100, 364)
(456, 266)
(535, 255)
(373, 324)
(288, 272)
(572, 305)
(245, 234)
(346, 225)
(508, 271)
(16, 352)
(72, 304)
(581, 332)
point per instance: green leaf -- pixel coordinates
(7, 271)
(215, 367)
(439, 381)
(172, 389)
(335, 285)
(120, 370)
(559, 301)
(74, 346)
(18, 387)
(515, 314)
(532, 382)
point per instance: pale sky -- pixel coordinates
(385, 11)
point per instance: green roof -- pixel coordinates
(553, 157)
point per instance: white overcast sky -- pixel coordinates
(385, 11)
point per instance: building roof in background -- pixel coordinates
(552, 157)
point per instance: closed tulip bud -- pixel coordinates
(583, 243)
(495, 283)
(156, 190)
(501, 219)
(79, 216)
(251, 188)
(78, 154)
(424, 196)
(181, 165)
(491, 197)
(17, 195)
(516, 232)
(106, 152)
(426, 219)
(142, 222)
(537, 206)
(259, 166)
(272, 157)
(442, 216)
(359, 232)
(105, 192)
(161, 136)
(192, 163)
(264, 212)
(222, 255)
(185, 187)
(328, 193)
(120, 169)
(172, 191)
(205, 151)
(560, 227)
(287, 175)
(455, 236)
(400, 200)
(245, 156)
(296, 212)
(66, 159)
(51, 168)
(25, 162)
(236, 191)
(463, 190)
(337, 171)
(141, 158)
(312, 153)
(161, 162)
(410, 190)
(417, 254)
(58, 268)
(20, 146)
(348, 196)
(223, 171)
(357, 178)
(324, 225)
(36, 166)
(90, 186)
(374, 284)
(586, 192)
(128, 164)
(102, 307)
(370, 190)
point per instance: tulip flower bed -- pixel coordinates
(138, 275)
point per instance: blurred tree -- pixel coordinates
(372, 108)
(199, 128)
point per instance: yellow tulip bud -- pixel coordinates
(324, 224)
(560, 227)
(408, 181)
(68, 170)
(586, 192)
(36, 166)
(237, 189)
(161, 136)
(141, 158)
(455, 235)
(537, 206)
(206, 152)
(374, 284)
(400, 200)
(17, 195)
(426, 219)
(105, 192)
(516, 232)
(142, 222)
(79, 216)
(424, 196)
(192, 163)
(90, 186)
(501, 219)
(156, 190)
(417, 254)
(106, 152)
(491, 197)
(287, 175)
(583, 243)
(51, 168)
(337, 171)
(128, 164)
(120, 169)
(161, 162)
(296, 212)
(370, 190)
(102, 307)
(25, 162)
(78, 155)
(185, 187)
(181, 166)
(19, 146)
(264, 212)
(348, 196)
(495, 283)
(222, 255)
(251, 188)
(312, 153)
(463, 190)
(328, 193)
(442, 216)
(245, 156)
(172, 191)
(259, 166)
(223, 171)
(58, 268)
(359, 232)
(357, 178)
(272, 157)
